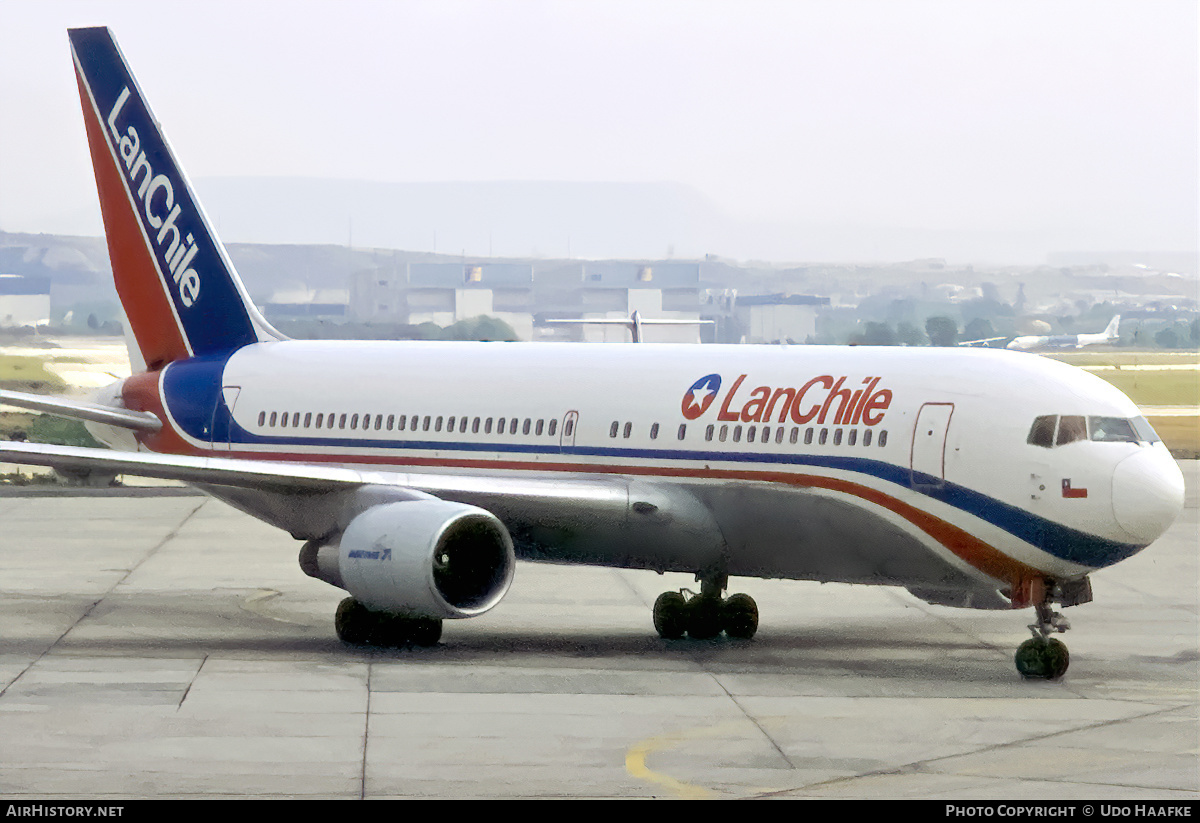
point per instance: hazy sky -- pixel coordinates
(1073, 118)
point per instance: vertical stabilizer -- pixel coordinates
(179, 290)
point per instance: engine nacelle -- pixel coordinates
(423, 558)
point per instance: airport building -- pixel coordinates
(24, 300)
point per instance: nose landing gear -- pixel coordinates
(1043, 657)
(705, 615)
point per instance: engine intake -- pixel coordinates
(423, 558)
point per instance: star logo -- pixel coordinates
(700, 396)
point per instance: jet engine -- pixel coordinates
(421, 558)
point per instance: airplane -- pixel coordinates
(416, 473)
(1033, 342)
(1067, 341)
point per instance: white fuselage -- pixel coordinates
(794, 446)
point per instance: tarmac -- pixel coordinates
(155, 644)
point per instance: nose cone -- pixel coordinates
(1147, 493)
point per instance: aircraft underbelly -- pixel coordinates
(803, 535)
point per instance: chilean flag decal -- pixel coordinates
(1070, 492)
(701, 395)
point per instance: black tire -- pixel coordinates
(353, 623)
(1042, 659)
(704, 618)
(739, 616)
(670, 615)
(425, 631)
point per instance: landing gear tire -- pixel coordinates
(670, 615)
(359, 626)
(1042, 658)
(704, 618)
(739, 614)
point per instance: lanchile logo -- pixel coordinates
(701, 395)
(864, 405)
(177, 255)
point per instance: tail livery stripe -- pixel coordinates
(179, 291)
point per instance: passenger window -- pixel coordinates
(612, 430)
(354, 422)
(708, 433)
(737, 434)
(262, 419)
(475, 426)
(867, 437)
(378, 422)
(342, 422)
(462, 425)
(750, 434)
(320, 420)
(724, 431)
(682, 431)
(808, 436)
(553, 428)
(283, 420)
(391, 421)
(437, 424)
(450, 425)
(795, 435)
(526, 425)
(882, 439)
(628, 430)
(500, 426)
(823, 437)
(487, 426)
(654, 432)
(568, 429)
(837, 437)
(307, 419)
(1042, 432)
(400, 422)
(425, 424)
(1071, 427)
(853, 437)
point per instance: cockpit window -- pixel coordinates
(1144, 430)
(1071, 427)
(1112, 430)
(1042, 433)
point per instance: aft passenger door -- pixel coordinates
(222, 422)
(928, 459)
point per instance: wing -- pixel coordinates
(79, 410)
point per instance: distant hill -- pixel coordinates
(500, 219)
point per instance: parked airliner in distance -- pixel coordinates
(1037, 342)
(417, 472)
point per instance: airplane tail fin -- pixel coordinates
(181, 294)
(1110, 333)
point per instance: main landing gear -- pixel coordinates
(1044, 657)
(705, 615)
(359, 626)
